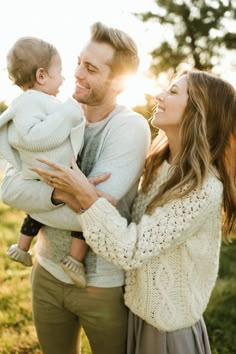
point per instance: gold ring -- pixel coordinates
(50, 180)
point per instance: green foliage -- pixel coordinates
(200, 30)
(221, 312)
(3, 106)
(147, 112)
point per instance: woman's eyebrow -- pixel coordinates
(173, 86)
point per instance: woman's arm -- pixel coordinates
(128, 246)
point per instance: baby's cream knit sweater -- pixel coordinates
(39, 125)
(171, 257)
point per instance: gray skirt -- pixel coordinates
(146, 339)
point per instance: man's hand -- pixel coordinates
(59, 197)
(107, 196)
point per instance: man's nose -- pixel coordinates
(79, 72)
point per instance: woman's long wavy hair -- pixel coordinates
(208, 138)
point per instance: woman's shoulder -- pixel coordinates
(213, 178)
(213, 186)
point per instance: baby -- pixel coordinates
(37, 124)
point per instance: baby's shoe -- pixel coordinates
(75, 270)
(19, 255)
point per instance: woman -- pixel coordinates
(171, 249)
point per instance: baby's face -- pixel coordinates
(54, 76)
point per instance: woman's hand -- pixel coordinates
(71, 181)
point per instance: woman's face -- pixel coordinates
(171, 105)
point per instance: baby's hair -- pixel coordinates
(25, 57)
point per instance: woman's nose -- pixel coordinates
(159, 97)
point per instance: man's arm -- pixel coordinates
(28, 195)
(123, 156)
(34, 197)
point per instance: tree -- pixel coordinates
(201, 31)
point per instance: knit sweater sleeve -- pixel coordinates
(34, 197)
(42, 122)
(129, 246)
(29, 195)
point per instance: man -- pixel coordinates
(116, 141)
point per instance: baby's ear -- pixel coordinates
(41, 76)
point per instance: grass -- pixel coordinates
(17, 333)
(221, 311)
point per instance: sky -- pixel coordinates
(66, 24)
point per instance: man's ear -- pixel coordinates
(118, 84)
(41, 76)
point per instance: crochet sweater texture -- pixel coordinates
(39, 125)
(171, 257)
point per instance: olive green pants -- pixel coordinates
(60, 310)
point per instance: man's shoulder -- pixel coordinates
(128, 125)
(127, 116)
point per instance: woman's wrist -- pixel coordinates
(87, 202)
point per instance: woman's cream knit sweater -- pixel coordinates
(171, 257)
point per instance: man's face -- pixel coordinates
(93, 83)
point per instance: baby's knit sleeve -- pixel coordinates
(129, 246)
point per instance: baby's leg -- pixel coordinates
(20, 251)
(24, 241)
(78, 249)
(72, 264)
